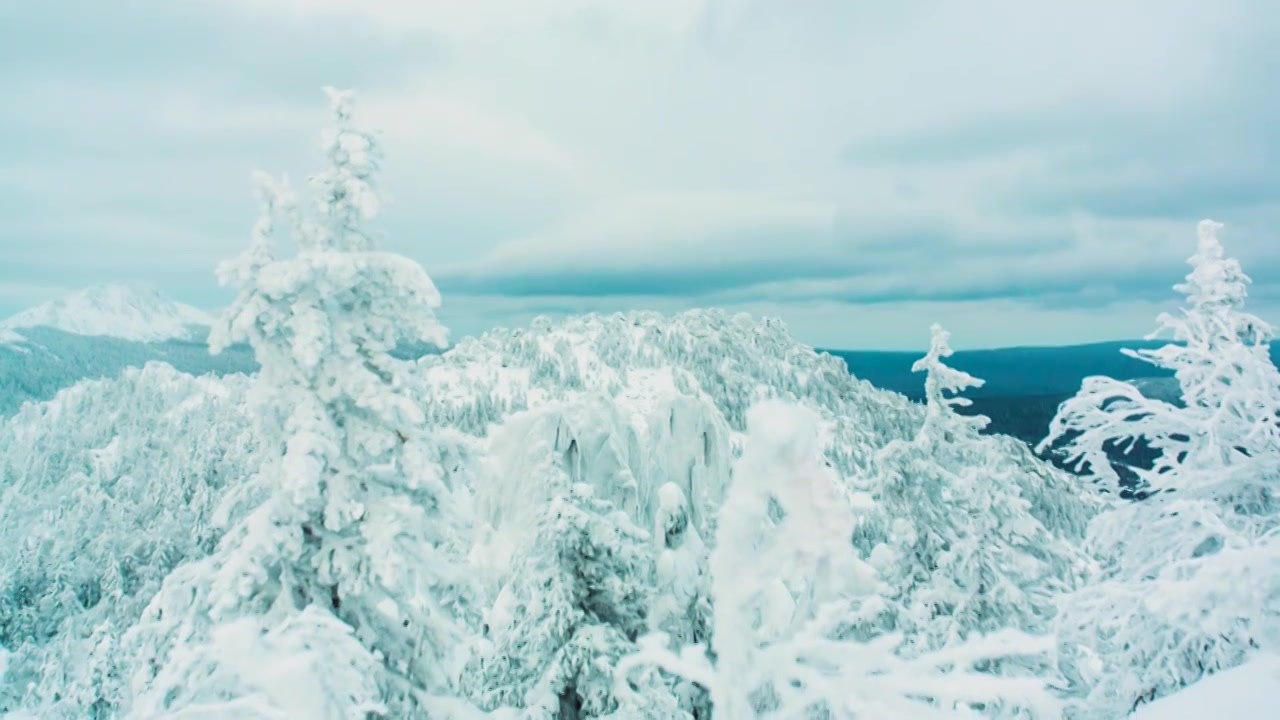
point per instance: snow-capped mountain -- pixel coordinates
(128, 312)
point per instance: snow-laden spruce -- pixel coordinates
(103, 491)
(575, 579)
(1230, 390)
(577, 585)
(953, 538)
(1192, 573)
(785, 581)
(681, 607)
(351, 550)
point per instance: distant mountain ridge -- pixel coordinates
(129, 312)
(1024, 385)
(100, 331)
(46, 360)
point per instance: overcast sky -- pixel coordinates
(1023, 172)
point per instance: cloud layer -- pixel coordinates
(859, 170)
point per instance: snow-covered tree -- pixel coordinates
(576, 595)
(941, 418)
(1190, 583)
(682, 601)
(353, 538)
(961, 550)
(306, 664)
(1223, 441)
(786, 583)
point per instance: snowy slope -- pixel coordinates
(626, 403)
(98, 503)
(128, 312)
(1248, 692)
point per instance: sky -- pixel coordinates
(1023, 173)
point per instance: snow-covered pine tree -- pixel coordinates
(682, 608)
(342, 567)
(1191, 581)
(962, 552)
(682, 603)
(1223, 442)
(786, 582)
(941, 418)
(576, 597)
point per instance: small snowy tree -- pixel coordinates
(682, 604)
(1190, 571)
(941, 418)
(360, 509)
(682, 607)
(962, 552)
(575, 602)
(786, 582)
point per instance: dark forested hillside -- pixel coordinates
(50, 360)
(1024, 385)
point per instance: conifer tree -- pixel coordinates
(344, 565)
(962, 552)
(1223, 440)
(682, 603)
(786, 583)
(576, 598)
(1191, 580)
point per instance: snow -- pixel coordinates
(1248, 692)
(129, 312)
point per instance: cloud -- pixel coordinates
(661, 229)
(742, 249)
(865, 159)
(473, 22)
(173, 45)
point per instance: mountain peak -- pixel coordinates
(126, 311)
